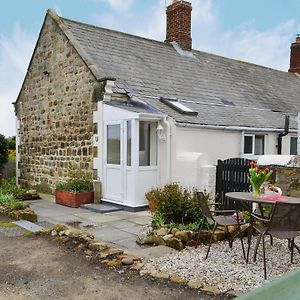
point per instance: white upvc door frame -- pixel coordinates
(121, 167)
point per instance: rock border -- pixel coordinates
(179, 239)
(86, 243)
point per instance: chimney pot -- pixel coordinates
(295, 56)
(179, 24)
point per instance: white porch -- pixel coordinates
(128, 155)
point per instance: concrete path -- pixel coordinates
(119, 228)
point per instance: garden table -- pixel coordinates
(246, 198)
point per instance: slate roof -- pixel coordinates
(224, 92)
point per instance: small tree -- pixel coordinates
(3, 152)
(11, 142)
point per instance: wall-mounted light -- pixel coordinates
(160, 132)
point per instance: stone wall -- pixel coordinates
(288, 179)
(55, 110)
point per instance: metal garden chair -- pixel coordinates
(283, 222)
(218, 218)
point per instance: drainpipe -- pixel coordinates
(284, 133)
(168, 173)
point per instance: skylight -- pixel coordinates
(178, 106)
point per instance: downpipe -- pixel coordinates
(281, 134)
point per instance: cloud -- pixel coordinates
(268, 48)
(203, 16)
(246, 42)
(57, 9)
(154, 25)
(117, 5)
(120, 5)
(15, 52)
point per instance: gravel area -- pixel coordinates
(225, 267)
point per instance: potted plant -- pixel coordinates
(74, 192)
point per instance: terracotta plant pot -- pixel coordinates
(73, 199)
(152, 205)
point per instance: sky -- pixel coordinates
(250, 30)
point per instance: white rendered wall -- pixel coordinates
(195, 153)
(216, 144)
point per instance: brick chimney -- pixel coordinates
(295, 56)
(179, 24)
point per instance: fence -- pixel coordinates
(231, 176)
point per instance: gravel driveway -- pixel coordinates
(38, 268)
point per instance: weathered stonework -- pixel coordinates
(55, 110)
(288, 179)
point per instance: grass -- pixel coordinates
(28, 233)
(7, 224)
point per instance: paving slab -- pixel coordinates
(96, 217)
(141, 220)
(129, 244)
(152, 252)
(28, 225)
(120, 227)
(110, 234)
(65, 219)
(122, 224)
(133, 230)
(101, 208)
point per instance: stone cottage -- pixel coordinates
(133, 113)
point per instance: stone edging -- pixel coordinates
(85, 242)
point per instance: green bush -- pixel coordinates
(76, 185)
(8, 186)
(11, 203)
(176, 205)
(3, 152)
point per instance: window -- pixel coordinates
(293, 145)
(147, 143)
(254, 144)
(144, 143)
(178, 106)
(114, 144)
(128, 143)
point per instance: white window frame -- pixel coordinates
(252, 154)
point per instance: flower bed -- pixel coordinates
(16, 209)
(177, 219)
(11, 206)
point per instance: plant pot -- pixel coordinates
(152, 205)
(73, 199)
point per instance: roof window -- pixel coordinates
(178, 106)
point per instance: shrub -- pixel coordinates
(176, 204)
(76, 185)
(12, 155)
(3, 152)
(158, 220)
(8, 186)
(11, 203)
(11, 142)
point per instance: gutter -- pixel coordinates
(283, 133)
(232, 128)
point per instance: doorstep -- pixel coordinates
(101, 207)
